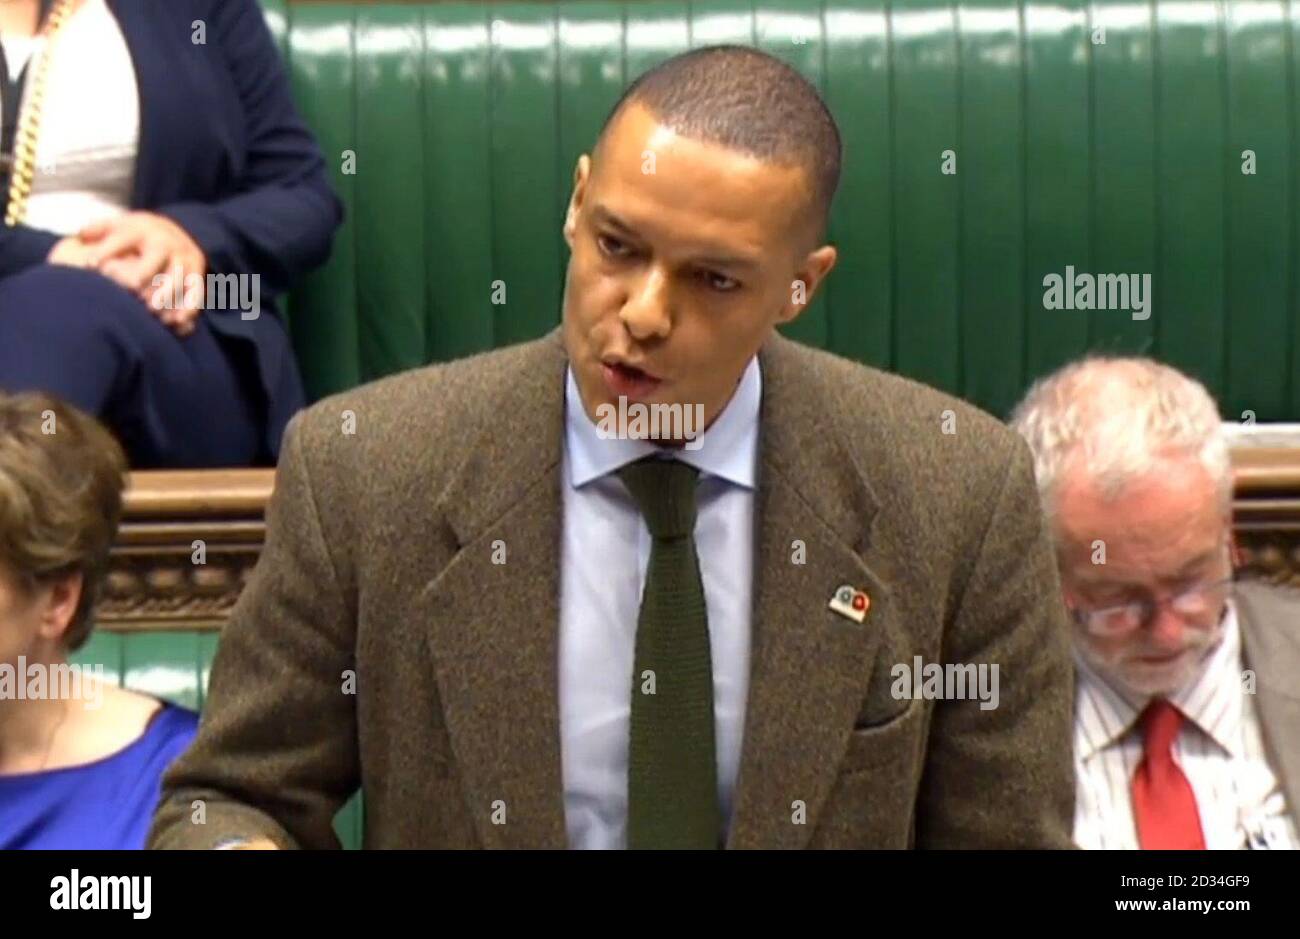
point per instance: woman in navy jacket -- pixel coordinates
(227, 181)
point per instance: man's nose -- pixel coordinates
(1167, 628)
(647, 314)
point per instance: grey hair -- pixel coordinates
(1116, 418)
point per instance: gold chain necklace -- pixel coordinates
(29, 124)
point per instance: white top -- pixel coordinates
(1220, 748)
(18, 49)
(90, 123)
(604, 556)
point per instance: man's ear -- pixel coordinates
(58, 601)
(809, 276)
(581, 173)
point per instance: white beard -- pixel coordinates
(1140, 681)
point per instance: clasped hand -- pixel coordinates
(147, 254)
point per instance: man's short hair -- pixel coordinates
(745, 100)
(1115, 418)
(61, 481)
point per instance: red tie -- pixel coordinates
(1164, 806)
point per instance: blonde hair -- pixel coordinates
(61, 481)
(1117, 418)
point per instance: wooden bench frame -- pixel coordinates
(154, 582)
(1266, 513)
(168, 518)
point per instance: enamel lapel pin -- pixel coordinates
(851, 603)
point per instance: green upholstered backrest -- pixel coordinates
(1106, 136)
(174, 666)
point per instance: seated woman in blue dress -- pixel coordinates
(158, 191)
(81, 760)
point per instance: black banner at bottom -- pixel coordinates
(352, 889)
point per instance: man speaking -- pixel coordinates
(516, 623)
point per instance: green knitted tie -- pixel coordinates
(672, 779)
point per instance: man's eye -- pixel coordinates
(719, 282)
(611, 247)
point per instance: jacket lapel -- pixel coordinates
(810, 665)
(494, 626)
(156, 80)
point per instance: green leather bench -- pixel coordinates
(462, 122)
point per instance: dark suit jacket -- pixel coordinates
(378, 560)
(224, 153)
(1270, 637)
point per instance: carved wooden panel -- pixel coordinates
(187, 545)
(1267, 513)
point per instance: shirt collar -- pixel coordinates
(1109, 714)
(1211, 700)
(728, 449)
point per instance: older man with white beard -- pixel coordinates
(1187, 720)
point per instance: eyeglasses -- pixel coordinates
(1194, 602)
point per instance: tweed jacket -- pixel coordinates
(378, 645)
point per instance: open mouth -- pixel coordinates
(628, 381)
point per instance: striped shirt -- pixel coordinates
(1220, 748)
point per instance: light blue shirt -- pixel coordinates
(605, 553)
